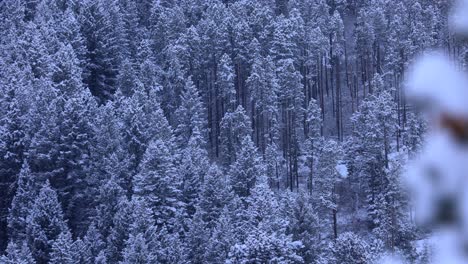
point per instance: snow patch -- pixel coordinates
(342, 170)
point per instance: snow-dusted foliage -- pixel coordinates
(213, 131)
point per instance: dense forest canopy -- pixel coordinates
(209, 131)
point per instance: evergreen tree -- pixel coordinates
(191, 115)
(225, 83)
(263, 85)
(350, 248)
(137, 251)
(375, 124)
(13, 144)
(193, 168)
(67, 73)
(101, 27)
(121, 222)
(62, 249)
(127, 80)
(292, 100)
(16, 254)
(108, 199)
(392, 225)
(325, 191)
(173, 82)
(93, 244)
(304, 226)
(274, 163)
(215, 195)
(313, 131)
(144, 121)
(234, 127)
(158, 182)
(261, 246)
(246, 169)
(23, 200)
(221, 240)
(197, 238)
(45, 223)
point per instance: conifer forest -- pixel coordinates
(211, 131)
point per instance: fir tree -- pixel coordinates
(62, 249)
(234, 127)
(263, 85)
(158, 181)
(197, 238)
(16, 254)
(13, 144)
(226, 84)
(136, 251)
(27, 189)
(191, 115)
(350, 248)
(101, 26)
(193, 168)
(45, 223)
(93, 244)
(215, 195)
(246, 169)
(221, 240)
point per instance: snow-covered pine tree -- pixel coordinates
(225, 83)
(291, 97)
(234, 127)
(274, 166)
(137, 251)
(263, 85)
(375, 124)
(197, 237)
(325, 191)
(62, 250)
(45, 223)
(16, 254)
(107, 200)
(192, 169)
(311, 146)
(115, 242)
(158, 181)
(101, 27)
(350, 248)
(13, 144)
(191, 115)
(215, 195)
(26, 191)
(93, 244)
(304, 226)
(246, 169)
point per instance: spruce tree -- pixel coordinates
(16, 254)
(45, 223)
(93, 244)
(234, 127)
(215, 195)
(246, 169)
(225, 83)
(26, 191)
(62, 250)
(192, 170)
(158, 181)
(191, 115)
(13, 144)
(263, 85)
